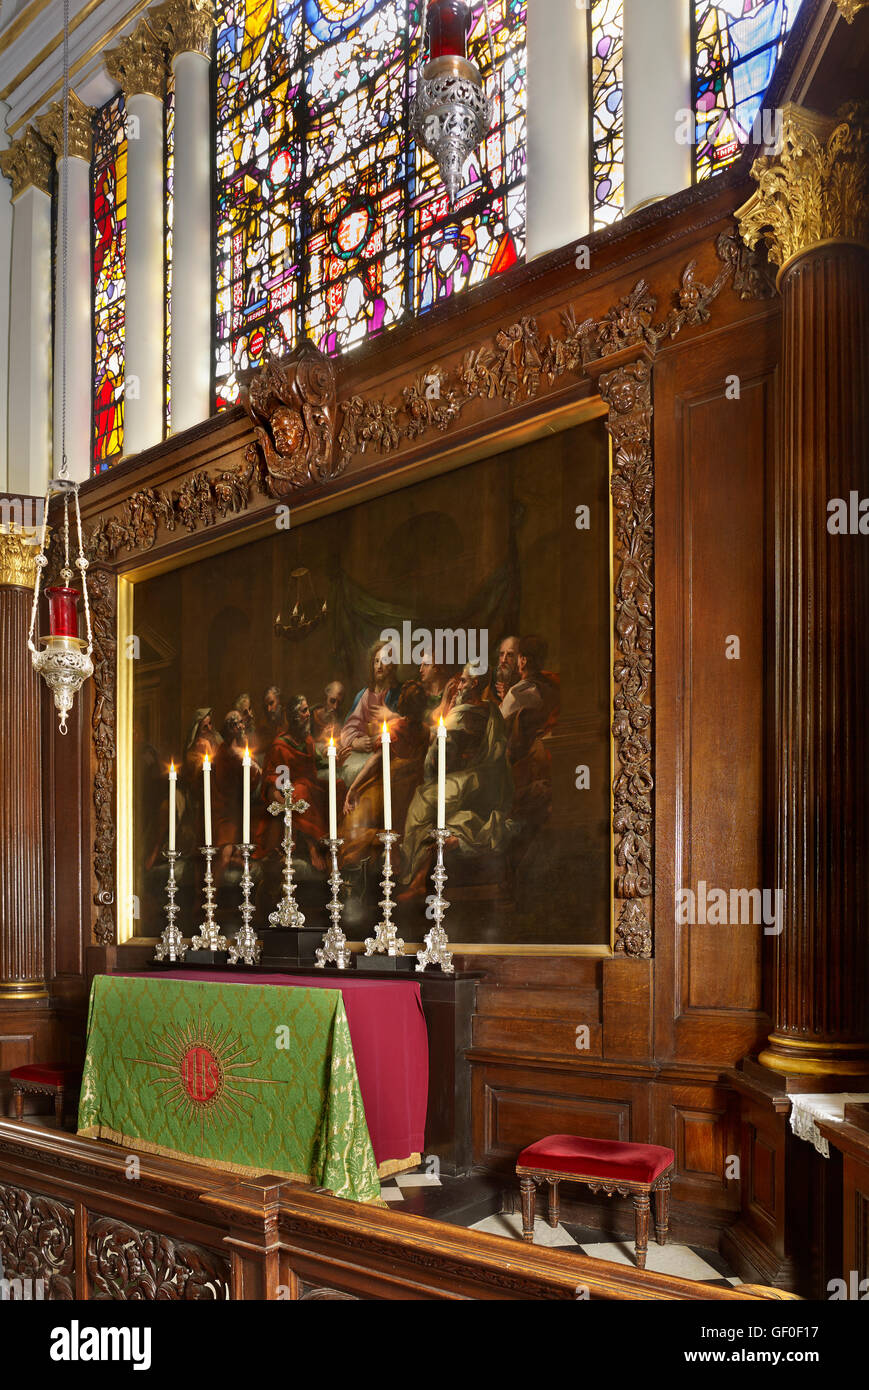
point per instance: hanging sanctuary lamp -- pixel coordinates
(62, 658)
(452, 112)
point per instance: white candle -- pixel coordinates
(333, 791)
(206, 774)
(245, 832)
(442, 774)
(173, 778)
(387, 785)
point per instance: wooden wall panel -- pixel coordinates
(712, 462)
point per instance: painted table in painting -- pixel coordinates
(250, 1077)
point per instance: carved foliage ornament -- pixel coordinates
(815, 189)
(851, 8)
(27, 163)
(102, 588)
(18, 551)
(37, 1241)
(50, 127)
(130, 1264)
(184, 26)
(137, 64)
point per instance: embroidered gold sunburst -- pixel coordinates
(205, 1072)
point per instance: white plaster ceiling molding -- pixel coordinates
(31, 52)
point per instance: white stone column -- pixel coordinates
(27, 442)
(185, 27)
(75, 173)
(558, 126)
(657, 76)
(137, 64)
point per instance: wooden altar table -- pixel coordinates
(259, 1074)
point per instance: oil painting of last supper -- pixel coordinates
(480, 597)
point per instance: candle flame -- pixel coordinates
(246, 751)
(206, 761)
(171, 769)
(442, 723)
(383, 728)
(331, 741)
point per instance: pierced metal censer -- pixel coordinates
(288, 913)
(452, 113)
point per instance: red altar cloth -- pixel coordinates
(390, 1044)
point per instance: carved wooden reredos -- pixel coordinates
(316, 436)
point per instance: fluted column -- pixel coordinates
(27, 164)
(77, 273)
(558, 128)
(657, 72)
(136, 62)
(22, 953)
(812, 211)
(186, 27)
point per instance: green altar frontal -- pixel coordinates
(247, 1078)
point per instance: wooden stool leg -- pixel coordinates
(58, 1107)
(641, 1224)
(662, 1210)
(553, 1201)
(19, 1104)
(528, 1188)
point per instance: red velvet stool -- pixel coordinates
(46, 1079)
(604, 1165)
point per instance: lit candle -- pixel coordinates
(333, 791)
(245, 832)
(442, 774)
(173, 778)
(206, 773)
(387, 785)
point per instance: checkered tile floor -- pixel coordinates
(475, 1202)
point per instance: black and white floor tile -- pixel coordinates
(475, 1202)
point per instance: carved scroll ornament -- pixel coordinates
(37, 1241)
(126, 1263)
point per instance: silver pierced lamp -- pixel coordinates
(452, 113)
(62, 658)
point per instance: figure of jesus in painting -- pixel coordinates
(376, 702)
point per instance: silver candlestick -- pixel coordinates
(171, 943)
(209, 938)
(385, 942)
(288, 913)
(334, 948)
(435, 951)
(246, 947)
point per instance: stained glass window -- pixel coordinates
(331, 223)
(607, 103)
(737, 44)
(109, 204)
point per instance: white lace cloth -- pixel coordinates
(805, 1110)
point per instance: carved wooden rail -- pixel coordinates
(94, 1221)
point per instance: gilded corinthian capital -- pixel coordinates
(137, 64)
(850, 8)
(815, 189)
(19, 546)
(50, 127)
(27, 163)
(184, 26)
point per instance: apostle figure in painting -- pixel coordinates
(376, 702)
(479, 788)
(292, 758)
(227, 775)
(363, 806)
(328, 718)
(506, 671)
(530, 711)
(273, 721)
(244, 706)
(433, 680)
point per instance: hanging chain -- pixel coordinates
(82, 565)
(41, 562)
(64, 215)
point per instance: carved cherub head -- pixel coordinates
(288, 430)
